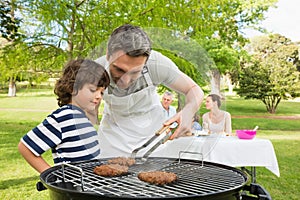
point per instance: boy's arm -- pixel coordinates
(37, 162)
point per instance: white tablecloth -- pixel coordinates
(227, 150)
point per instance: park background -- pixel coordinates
(206, 40)
(20, 114)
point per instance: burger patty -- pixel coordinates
(110, 170)
(158, 177)
(122, 161)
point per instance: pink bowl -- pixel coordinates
(245, 134)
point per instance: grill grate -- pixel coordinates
(193, 179)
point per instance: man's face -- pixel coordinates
(125, 69)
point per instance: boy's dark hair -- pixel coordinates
(216, 98)
(130, 39)
(76, 74)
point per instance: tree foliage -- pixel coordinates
(272, 73)
(82, 25)
(226, 61)
(20, 62)
(188, 54)
(65, 29)
(9, 24)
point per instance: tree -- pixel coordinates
(226, 61)
(21, 62)
(272, 73)
(9, 30)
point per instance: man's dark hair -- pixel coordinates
(130, 39)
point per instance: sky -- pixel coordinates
(285, 20)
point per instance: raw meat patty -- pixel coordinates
(111, 170)
(158, 177)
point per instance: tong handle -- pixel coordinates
(161, 141)
(163, 129)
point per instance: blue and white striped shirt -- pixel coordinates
(68, 133)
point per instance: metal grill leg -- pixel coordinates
(251, 172)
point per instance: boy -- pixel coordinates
(67, 131)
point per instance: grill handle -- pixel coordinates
(76, 168)
(40, 186)
(258, 190)
(183, 152)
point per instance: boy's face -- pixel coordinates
(125, 69)
(88, 97)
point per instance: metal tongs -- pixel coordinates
(167, 129)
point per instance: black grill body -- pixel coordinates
(196, 180)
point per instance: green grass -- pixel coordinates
(18, 179)
(20, 114)
(252, 107)
(288, 156)
(264, 124)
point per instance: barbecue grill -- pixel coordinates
(196, 180)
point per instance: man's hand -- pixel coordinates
(184, 125)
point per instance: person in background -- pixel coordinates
(166, 101)
(218, 121)
(67, 131)
(132, 110)
(196, 125)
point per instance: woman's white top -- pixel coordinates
(223, 126)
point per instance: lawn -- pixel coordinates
(20, 114)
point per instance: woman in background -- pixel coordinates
(218, 121)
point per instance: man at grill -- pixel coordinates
(132, 111)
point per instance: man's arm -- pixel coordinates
(194, 97)
(228, 128)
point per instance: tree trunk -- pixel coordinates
(181, 101)
(12, 88)
(229, 84)
(271, 103)
(215, 82)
